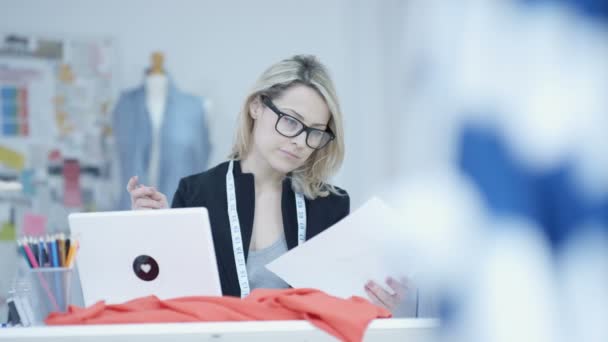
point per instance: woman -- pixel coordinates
(273, 193)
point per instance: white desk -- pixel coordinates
(410, 330)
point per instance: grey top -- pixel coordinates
(259, 275)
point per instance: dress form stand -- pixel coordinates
(156, 85)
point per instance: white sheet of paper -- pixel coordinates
(366, 245)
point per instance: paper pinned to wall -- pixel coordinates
(27, 87)
(72, 196)
(11, 158)
(368, 244)
(34, 225)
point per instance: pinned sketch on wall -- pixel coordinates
(26, 92)
(72, 194)
(34, 224)
(11, 158)
(84, 94)
(15, 113)
(55, 125)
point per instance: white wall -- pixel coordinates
(217, 49)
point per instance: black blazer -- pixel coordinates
(208, 189)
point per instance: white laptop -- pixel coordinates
(124, 255)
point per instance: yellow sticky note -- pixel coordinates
(12, 158)
(7, 232)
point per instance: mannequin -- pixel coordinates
(156, 85)
(161, 132)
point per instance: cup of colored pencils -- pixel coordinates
(50, 259)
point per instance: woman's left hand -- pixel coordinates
(382, 298)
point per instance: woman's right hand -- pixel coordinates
(145, 197)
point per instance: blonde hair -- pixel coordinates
(311, 178)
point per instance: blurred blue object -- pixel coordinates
(552, 199)
(597, 9)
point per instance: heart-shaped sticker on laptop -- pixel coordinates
(145, 268)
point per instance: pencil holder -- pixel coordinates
(50, 291)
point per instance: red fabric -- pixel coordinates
(346, 319)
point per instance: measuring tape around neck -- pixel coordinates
(235, 229)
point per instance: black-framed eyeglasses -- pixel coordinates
(289, 126)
